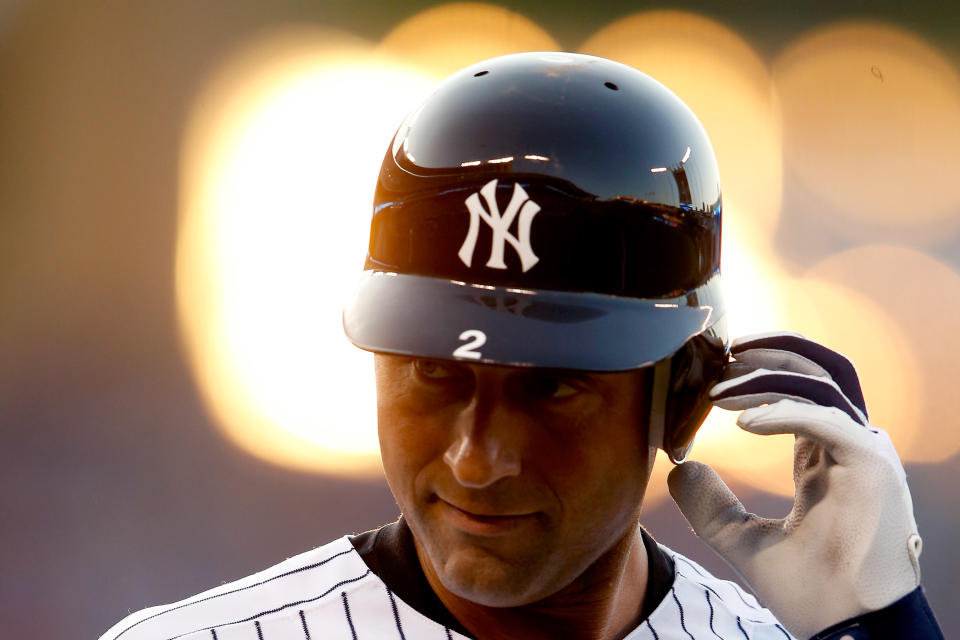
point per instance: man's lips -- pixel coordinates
(483, 520)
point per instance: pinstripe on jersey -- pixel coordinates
(702, 607)
(330, 593)
(325, 593)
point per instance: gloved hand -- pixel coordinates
(850, 543)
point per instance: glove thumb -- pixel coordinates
(711, 508)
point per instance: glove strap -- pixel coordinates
(908, 617)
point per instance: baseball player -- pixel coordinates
(542, 293)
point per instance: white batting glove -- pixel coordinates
(850, 544)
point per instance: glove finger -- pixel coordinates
(780, 360)
(810, 356)
(715, 512)
(767, 387)
(840, 436)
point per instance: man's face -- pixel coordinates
(513, 480)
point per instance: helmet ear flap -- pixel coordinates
(680, 392)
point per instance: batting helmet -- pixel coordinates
(552, 210)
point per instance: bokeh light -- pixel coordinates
(752, 281)
(728, 86)
(657, 489)
(444, 39)
(922, 296)
(871, 121)
(279, 167)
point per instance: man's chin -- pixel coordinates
(476, 575)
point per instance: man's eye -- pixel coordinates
(552, 387)
(434, 369)
(564, 390)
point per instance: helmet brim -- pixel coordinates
(431, 317)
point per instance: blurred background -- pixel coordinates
(184, 193)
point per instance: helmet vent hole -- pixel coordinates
(611, 86)
(480, 73)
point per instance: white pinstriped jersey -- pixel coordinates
(330, 593)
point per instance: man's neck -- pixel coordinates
(603, 603)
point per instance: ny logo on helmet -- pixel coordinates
(500, 226)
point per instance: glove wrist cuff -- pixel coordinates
(908, 617)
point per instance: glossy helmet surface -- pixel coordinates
(553, 210)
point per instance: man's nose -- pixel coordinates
(485, 447)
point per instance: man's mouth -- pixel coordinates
(482, 520)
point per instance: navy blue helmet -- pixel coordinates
(552, 210)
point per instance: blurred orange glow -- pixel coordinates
(279, 164)
(751, 281)
(922, 296)
(728, 86)
(764, 462)
(657, 489)
(872, 122)
(447, 38)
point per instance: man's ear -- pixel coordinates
(679, 397)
